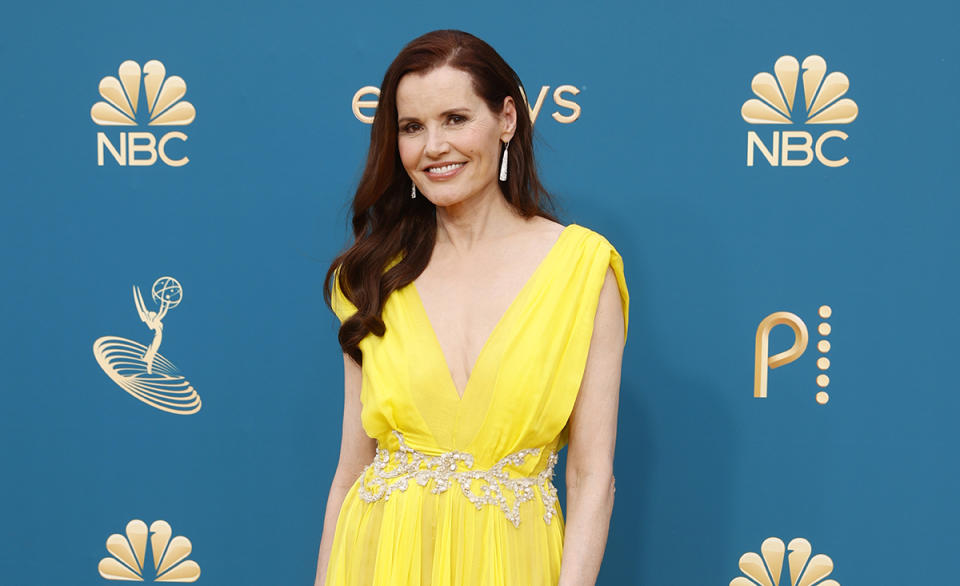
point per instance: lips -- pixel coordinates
(443, 169)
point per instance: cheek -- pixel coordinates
(482, 144)
(409, 153)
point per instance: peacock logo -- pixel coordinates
(821, 94)
(163, 106)
(777, 102)
(128, 555)
(766, 569)
(163, 97)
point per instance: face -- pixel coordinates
(448, 138)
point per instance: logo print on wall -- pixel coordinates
(763, 362)
(822, 104)
(127, 560)
(561, 98)
(164, 107)
(141, 370)
(766, 570)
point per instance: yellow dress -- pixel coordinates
(460, 492)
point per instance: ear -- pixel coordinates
(508, 119)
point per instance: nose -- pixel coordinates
(436, 143)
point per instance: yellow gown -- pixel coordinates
(460, 492)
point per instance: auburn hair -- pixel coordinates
(386, 220)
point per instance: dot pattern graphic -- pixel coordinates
(823, 363)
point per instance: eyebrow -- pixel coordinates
(443, 114)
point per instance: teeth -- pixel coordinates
(444, 169)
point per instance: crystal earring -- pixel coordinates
(503, 164)
(413, 190)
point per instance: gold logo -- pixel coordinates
(823, 103)
(763, 362)
(127, 560)
(366, 99)
(766, 570)
(164, 106)
(141, 370)
(821, 94)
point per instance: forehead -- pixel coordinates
(435, 91)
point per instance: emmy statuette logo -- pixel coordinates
(764, 362)
(366, 99)
(163, 106)
(776, 103)
(128, 555)
(141, 370)
(766, 569)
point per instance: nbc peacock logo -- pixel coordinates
(163, 106)
(777, 102)
(765, 568)
(128, 555)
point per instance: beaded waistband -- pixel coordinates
(442, 469)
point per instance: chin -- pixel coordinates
(446, 194)
(443, 201)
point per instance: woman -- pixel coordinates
(486, 335)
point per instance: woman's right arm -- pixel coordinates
(356, 451)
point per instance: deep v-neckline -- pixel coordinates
(458, 395)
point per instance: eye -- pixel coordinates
(410, 128)
(457, 119)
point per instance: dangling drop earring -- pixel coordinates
(413, 190)
(503, 164)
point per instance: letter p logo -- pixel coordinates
(763, 362)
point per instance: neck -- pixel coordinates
(478, 219)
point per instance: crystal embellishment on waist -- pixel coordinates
(442, 469)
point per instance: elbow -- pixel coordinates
(346, 476)
(611, 491)
(598, 482)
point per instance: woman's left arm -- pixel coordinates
(593, 436)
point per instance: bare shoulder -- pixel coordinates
(545, 228)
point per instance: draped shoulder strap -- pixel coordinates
(576, 293)
(594, 255)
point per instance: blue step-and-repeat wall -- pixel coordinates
(780, 178)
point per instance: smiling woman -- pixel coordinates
(480, 337)
(446, 135)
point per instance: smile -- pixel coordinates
(445, 170)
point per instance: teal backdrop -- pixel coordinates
(656, 162)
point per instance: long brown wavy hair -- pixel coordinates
(386, 220)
